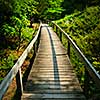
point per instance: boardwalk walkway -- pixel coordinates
(52, 77)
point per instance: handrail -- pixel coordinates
(16, 69)
(91, 70)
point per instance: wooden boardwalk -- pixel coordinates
(52, 77)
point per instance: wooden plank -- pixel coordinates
(52, 75)
(54, 96)
(57, 91)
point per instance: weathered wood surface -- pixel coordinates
(52, 76)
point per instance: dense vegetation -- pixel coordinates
(79, 18)
(71, 6)
(14, 32)
(15, 28)
(84, 28)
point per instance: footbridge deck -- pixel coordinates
(52, 76)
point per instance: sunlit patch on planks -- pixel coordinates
(52, 77)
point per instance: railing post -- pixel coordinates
(56, 29)
(38, 40)
(53, 26)
(86, 82)
(60, 36)
(37, 44)
(69, 49)
(19, 83)
(34, 48)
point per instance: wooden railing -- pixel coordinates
(16, 69)
(89, 69)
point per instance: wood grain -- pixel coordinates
(52, 76)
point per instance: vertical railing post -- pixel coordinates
(58, 33)
(56, 29)
(60, 36)
(36, 44)
(86, 82)
(69, 49)
(34, 48)
(38, 40)
(19, 83)
(53, 25)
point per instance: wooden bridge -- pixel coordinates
(52, 76)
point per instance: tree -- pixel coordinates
(49, 9)
(72, 5)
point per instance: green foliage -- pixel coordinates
(27, 33)
(8, 30)
(7, 63)
(49, 9)
(84, 29)
(72, 6)
(15, 32)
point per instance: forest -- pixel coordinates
(79, 18)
